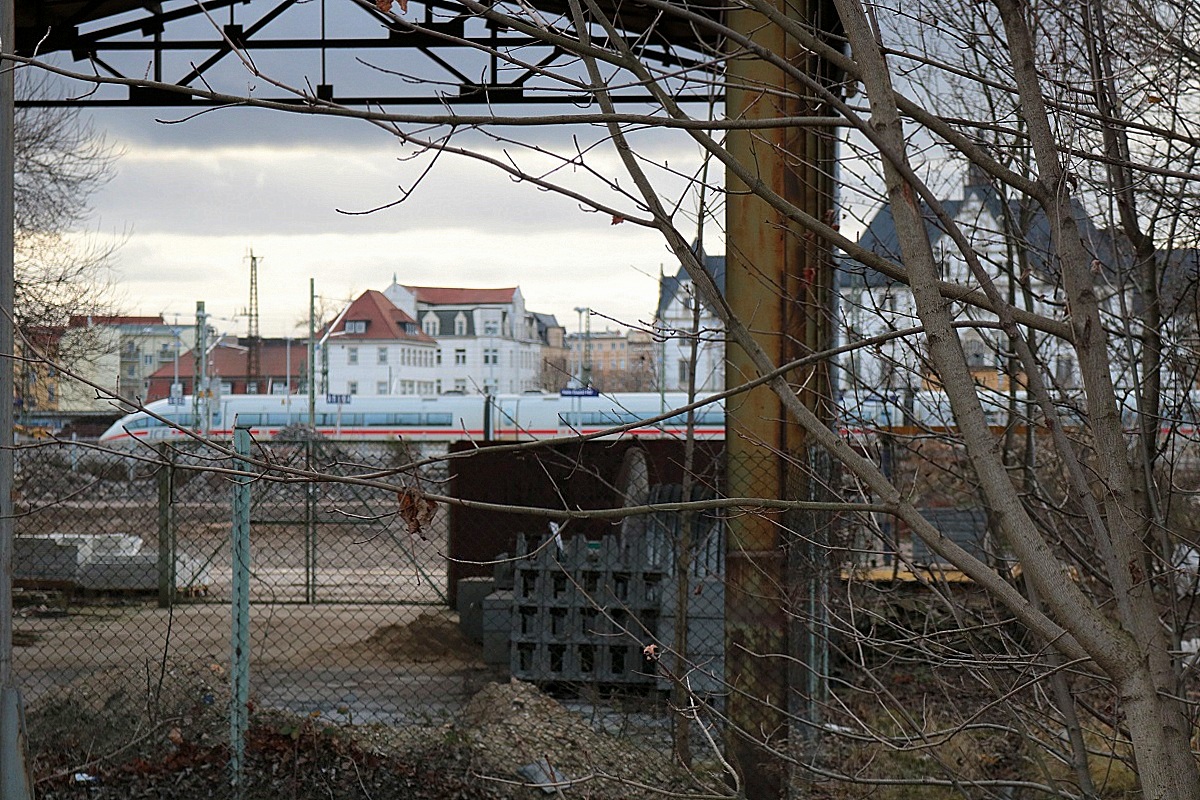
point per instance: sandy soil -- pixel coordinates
(366, 662)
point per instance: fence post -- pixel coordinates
(166, 527)
(310, 527)
(239, 715)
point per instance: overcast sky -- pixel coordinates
(190, 201)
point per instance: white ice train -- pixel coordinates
(415, 418)
(545, 416)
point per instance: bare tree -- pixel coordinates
(1078, 122)
(60, 270)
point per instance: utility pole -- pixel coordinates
(312, 354)
(201, 390)
(176, 393)
(14, 771)
(585, 347)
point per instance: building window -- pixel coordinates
(431, 325)
(491, 328)
(491, 356)
(148, 361)
(460, 384)
(438, 358)
(684, 372)
(460, 325)
(437, 387)
(1064, 371)
(976, 353)
(381, 387)
(352, 387)
(383, 355)
(252, 387)
(460, 357)
(351, 355)
(356, 326)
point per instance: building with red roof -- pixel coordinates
(376, 348)
(282, 369)
(486, 339)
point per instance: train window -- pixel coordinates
(249, 420)
(703, 417)
(375, 420)
(439, 419)
(141, 423)
(608, 418)
(411, 420)
(277, 420)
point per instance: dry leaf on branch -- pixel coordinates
(415, 509)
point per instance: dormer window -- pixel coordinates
(460, 324)
(431, 325)
(356, 326)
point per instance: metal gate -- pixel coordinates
(334, 539)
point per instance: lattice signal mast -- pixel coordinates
(253, 340)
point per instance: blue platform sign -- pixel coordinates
(582, 391)
(338, 399)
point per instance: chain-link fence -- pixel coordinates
(363, 612)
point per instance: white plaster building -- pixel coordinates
(117, 351)
(675, 322)
(1015, 249)
(486, 339)
(375, 348)
(872, 305)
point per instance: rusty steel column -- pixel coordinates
(779, 283)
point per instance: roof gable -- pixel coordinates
(373, 317)
(881, 236)
(669, 285)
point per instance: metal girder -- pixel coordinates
(442, 53)
(779, 280)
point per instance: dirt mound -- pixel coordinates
(145, 713)
(432, 637)
(506, 727)
(179, 747)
